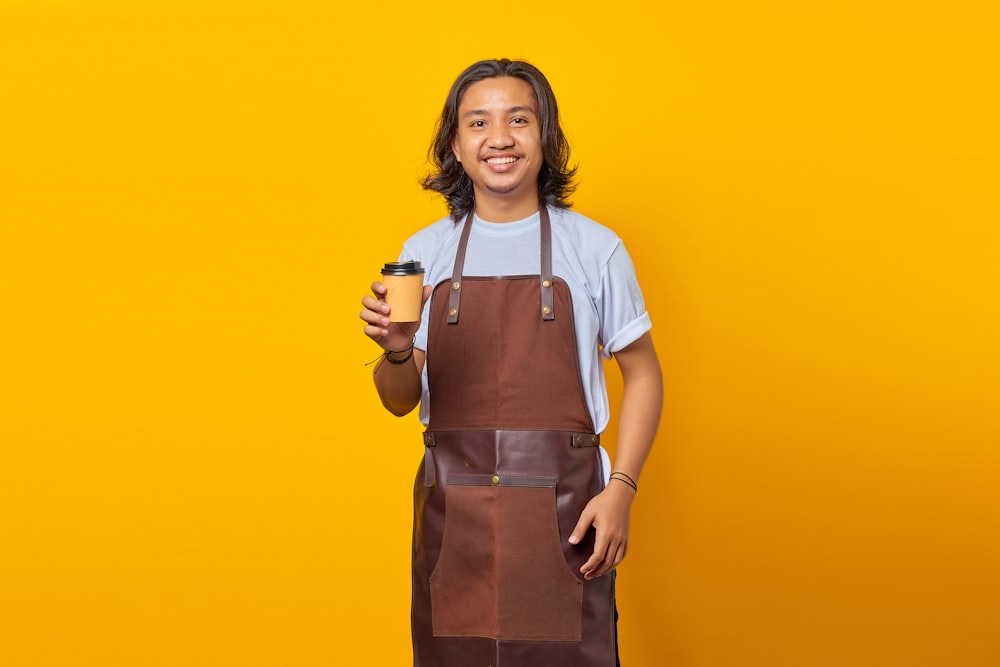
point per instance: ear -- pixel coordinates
(454, 149)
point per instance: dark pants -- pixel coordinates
(618, 661)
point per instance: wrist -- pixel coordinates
(624, 480)
(620, 495)
(399, 357)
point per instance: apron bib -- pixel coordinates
(511, 459)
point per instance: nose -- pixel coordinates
(500, 136)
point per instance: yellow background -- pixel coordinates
(194, 196)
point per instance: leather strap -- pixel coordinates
(430, 474)
(586, 440)
(430, 441)
(548, 307)
(545, 274)
(523, 481)
(503, 437)
(456, 273)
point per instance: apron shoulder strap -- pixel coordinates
(545, 229)
(548, 306)
(456, 273)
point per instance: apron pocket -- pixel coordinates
(502, 573)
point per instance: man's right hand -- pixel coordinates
(392, 336)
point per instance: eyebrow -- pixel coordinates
(484, 112)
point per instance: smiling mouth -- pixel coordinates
(501, 160)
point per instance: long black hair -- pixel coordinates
(555, 178)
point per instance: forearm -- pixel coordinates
(642, 402)
(398, 384)
(639, 417)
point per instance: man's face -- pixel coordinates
(499, 139)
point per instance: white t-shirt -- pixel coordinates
(608, 307)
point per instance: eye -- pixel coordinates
(519, 121)
(479, 123)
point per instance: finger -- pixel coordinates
(374, 317)
(375, 333)
(592, 571)
(608, 563)
(615, 556)
(379, 288)
(617, 547)
(376, 324)
(428, 290)
(593, 566)
(373, 304)
(620, 555)
(586, 519)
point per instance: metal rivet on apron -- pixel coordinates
(453, 312)
(495, 480)
(547, 310)
(456, 285)
(546, 283)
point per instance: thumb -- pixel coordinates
(428, 290)
(586, 520)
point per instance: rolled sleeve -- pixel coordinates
(623, 309)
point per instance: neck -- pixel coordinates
(497, 209)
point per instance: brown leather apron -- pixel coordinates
(511, 460)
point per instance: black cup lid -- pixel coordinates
(402, 268)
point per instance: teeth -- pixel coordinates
(500, 160)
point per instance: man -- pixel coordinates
(518, 522)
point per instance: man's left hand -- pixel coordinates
(608, 513)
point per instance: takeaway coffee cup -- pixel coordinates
(404, 284)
